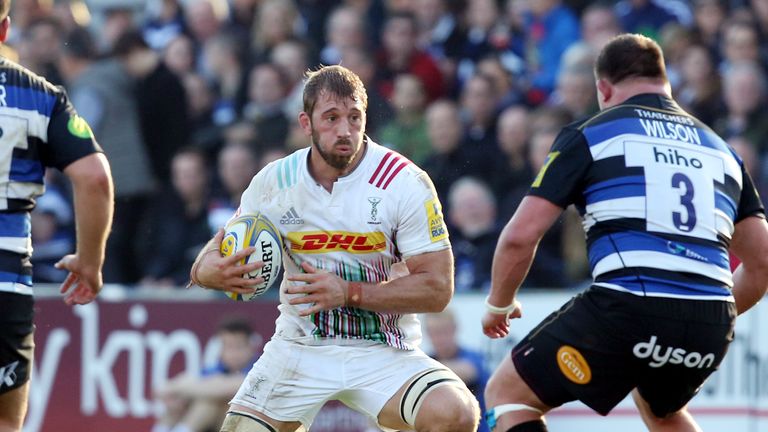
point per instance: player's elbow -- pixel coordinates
(91, 174)
(441, 292)
(517, 240)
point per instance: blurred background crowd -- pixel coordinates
(190, 98)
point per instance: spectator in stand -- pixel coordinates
(675, 40)
(223, 65)
(205, 18)
(267, 89)
(379, 112)
(179, 221)
(242, 16)
(345, 30)
(203, 133)
(292, 58)
(277, 22)
(599, 24)
(744, 92)
(647, 17)
(550, 28)
(483, 25)
(514, 172)
(72, 15)
(474, 233)
(700, 90)
(479, 101)
(164, 22)
(450, 159)
(441, 35)
(198, 403)
(576, 92)
(400, 54)
(179, 55)
(236, 167)
(469, 365)
(161, 100)
(407, 132)
(40, 46)
(709, 16)
(507, 88)
(740, 43)
(118, 20)
(25, 12)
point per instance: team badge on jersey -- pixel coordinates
(374, 219)
(436, 223)
(78, 127)
(573, 365)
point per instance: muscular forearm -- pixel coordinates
(426, 286)
(94, 202)
(511, 263)
(418, 293)
(749, 286)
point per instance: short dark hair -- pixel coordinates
(79, 44)
(337, 80)
(236, 325)
(128, 42)
(630, 56)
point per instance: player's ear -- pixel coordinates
(5, 25)
(604, 91)
(306, 123)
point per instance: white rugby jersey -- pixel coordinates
(383, 212)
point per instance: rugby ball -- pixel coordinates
(257, 231)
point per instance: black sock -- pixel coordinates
(531, 426)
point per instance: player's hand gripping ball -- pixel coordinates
(257, 231)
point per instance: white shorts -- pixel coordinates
(291, 382)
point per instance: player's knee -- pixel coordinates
(244, 422)
(458, 413)
(452, 408)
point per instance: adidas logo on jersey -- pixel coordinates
(291, 218)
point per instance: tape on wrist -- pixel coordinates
(500, 310)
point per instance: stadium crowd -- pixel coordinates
(190, 98)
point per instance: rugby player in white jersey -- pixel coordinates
(365, 250)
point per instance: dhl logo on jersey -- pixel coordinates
(314, 242)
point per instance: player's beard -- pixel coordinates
(337, 161)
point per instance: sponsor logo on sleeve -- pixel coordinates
(573, 365)
(78, 127)
(435, 221)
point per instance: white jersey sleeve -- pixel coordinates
(422, 227)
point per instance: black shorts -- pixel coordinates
(16, 343)
(603, 343)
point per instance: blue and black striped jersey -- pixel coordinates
(659, 194)
(39, 128)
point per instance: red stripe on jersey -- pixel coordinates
(394, 173)
(381, 164)
(386, 171)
